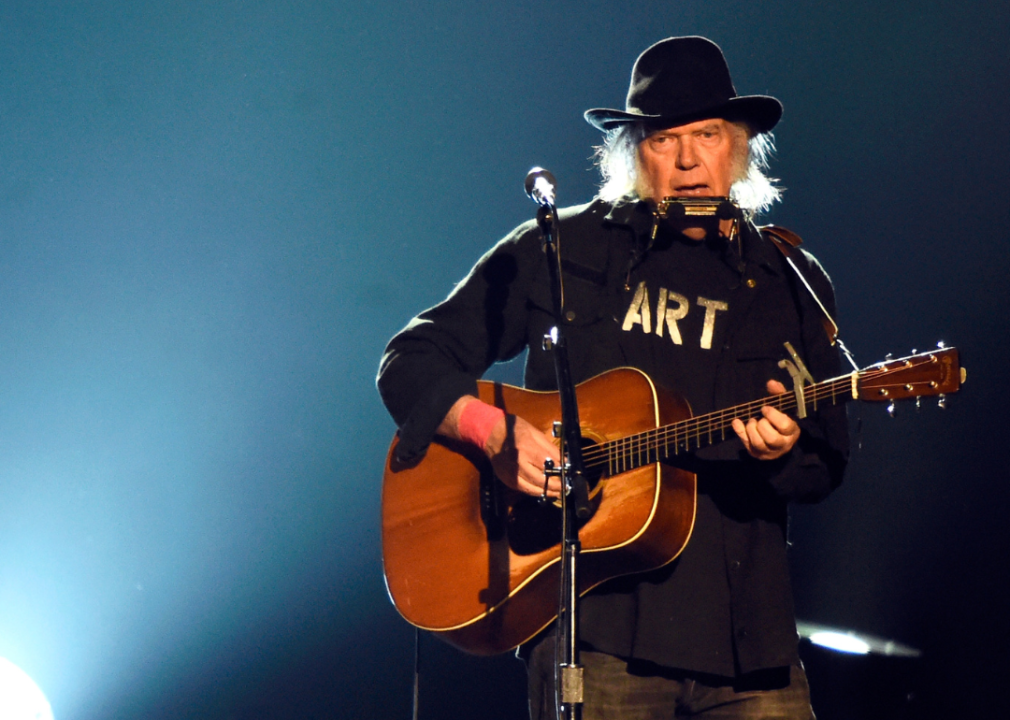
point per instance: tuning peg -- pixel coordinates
(918, 399)
(888, 356)
(891, 408)
(941, 344)
(914, 351)
(941, 401)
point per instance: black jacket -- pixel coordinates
(724, 607)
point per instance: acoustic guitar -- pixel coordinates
(477, 563)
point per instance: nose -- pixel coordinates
(687, 158)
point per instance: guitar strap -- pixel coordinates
(786, 240)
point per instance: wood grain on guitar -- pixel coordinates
(476, 563)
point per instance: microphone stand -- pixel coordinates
(574, 489)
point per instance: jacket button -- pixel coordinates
(736, 564)
(569, 316)
(751, 282)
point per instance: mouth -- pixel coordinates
(689, 190)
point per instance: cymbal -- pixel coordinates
(850, 641)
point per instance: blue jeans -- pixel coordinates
(616, 689)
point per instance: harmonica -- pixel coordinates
(695, 206)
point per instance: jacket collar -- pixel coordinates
(634, 214)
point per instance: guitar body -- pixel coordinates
(478, 564)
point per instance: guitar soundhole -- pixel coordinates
(534, 525)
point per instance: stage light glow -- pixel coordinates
(20, 697)
(840, 642)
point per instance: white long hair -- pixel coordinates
(752, 190)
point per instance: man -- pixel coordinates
(703, 307)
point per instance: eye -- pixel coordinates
(662, 143)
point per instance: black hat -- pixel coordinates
(683, 79)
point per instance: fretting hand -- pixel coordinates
(771, 436)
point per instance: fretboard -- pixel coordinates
(627, 453)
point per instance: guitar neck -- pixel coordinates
(929, 373)
(651, 446)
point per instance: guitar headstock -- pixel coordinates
(929, 373)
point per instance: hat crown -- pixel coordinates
(682, 79)
(679, 76)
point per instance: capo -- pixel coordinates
(800, 375)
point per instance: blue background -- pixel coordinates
(214, 214)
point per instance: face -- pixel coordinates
(699, 158)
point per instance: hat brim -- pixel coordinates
(761, 112)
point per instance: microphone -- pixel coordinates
(540, 186)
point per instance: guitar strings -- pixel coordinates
(634, 446)
(627, 453)
(696, 427)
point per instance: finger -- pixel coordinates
(775, 387)
(529, 481)
(553, 484)
(533, 475)
(537, 491)
(535, 462)
(772, 438)
(534, 489)
(779, 420)
(524, 486)
(741, 430)
(758, 444)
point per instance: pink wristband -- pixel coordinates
(477, 421)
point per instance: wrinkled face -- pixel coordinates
(700, 158)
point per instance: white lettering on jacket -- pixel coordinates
(671, 307)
